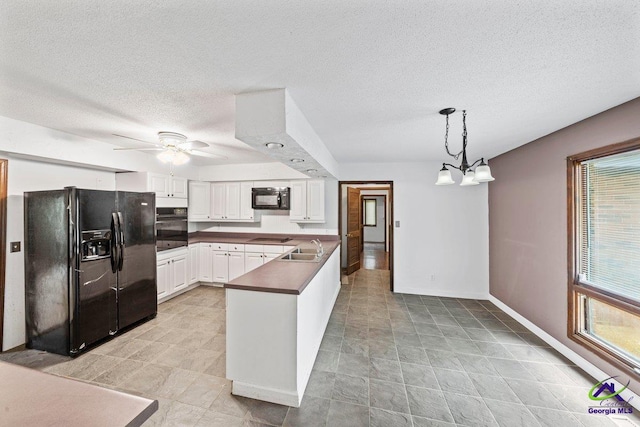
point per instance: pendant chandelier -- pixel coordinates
(482, 173)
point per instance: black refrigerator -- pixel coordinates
(90, 266)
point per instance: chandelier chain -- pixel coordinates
(446, 142)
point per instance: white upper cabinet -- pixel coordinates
(159, 184)
(246, 211)
(199, 201)
(218, 200)
(178, 187)
(171, 191)
(232, 200)
(225, 201)
(167, 185)
(307, 201)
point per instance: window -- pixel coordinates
(369, 210)
(604, 253)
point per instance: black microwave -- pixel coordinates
(270, 198)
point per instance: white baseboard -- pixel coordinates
(583, 363)
(280, 397)
(180, 292)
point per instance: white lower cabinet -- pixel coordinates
(256, 255)
(163, 278)
(220, 266)
(193, 263)
(253, 260)
(172, 271)
(210, 263)
(205, 262)
(223, 262)
(228, 261)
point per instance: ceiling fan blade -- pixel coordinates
(139, 149)
(190, 145)
(136, 139)
(210, 155)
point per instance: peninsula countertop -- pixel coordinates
(33, 398)
(285, 277)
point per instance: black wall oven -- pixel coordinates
(171, 228)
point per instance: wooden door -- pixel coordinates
(354, 219)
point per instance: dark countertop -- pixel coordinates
(33, 398)
(285, 277)
(246, 238)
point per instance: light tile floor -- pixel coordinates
(386, 360)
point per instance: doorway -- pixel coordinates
(3, 239)
(365, 226)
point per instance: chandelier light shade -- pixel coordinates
(469, 179)
(482, 172)
(444, 177)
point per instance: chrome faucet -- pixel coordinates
(319, 248)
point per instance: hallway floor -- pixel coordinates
(374, 257)
(386, 360)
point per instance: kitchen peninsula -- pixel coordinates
(276, 317)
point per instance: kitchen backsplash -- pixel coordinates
(271, 222)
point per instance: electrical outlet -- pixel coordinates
(15, 246)
(397, 224)
(433, 277)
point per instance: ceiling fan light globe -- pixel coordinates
(180, 158)
(166, 156)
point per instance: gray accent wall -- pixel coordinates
(528, 221)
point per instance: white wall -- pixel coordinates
(443, 229)
(26, 175)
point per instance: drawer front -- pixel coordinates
(254, 248)
(220, 246)
(234, 247)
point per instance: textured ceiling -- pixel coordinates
(370, 76)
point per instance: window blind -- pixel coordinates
(610, 223)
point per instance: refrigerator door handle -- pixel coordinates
(115, 243)
(122, 244)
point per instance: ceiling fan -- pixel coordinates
(174, 148)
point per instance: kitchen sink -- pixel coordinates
(304, 251)
(304, 257)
